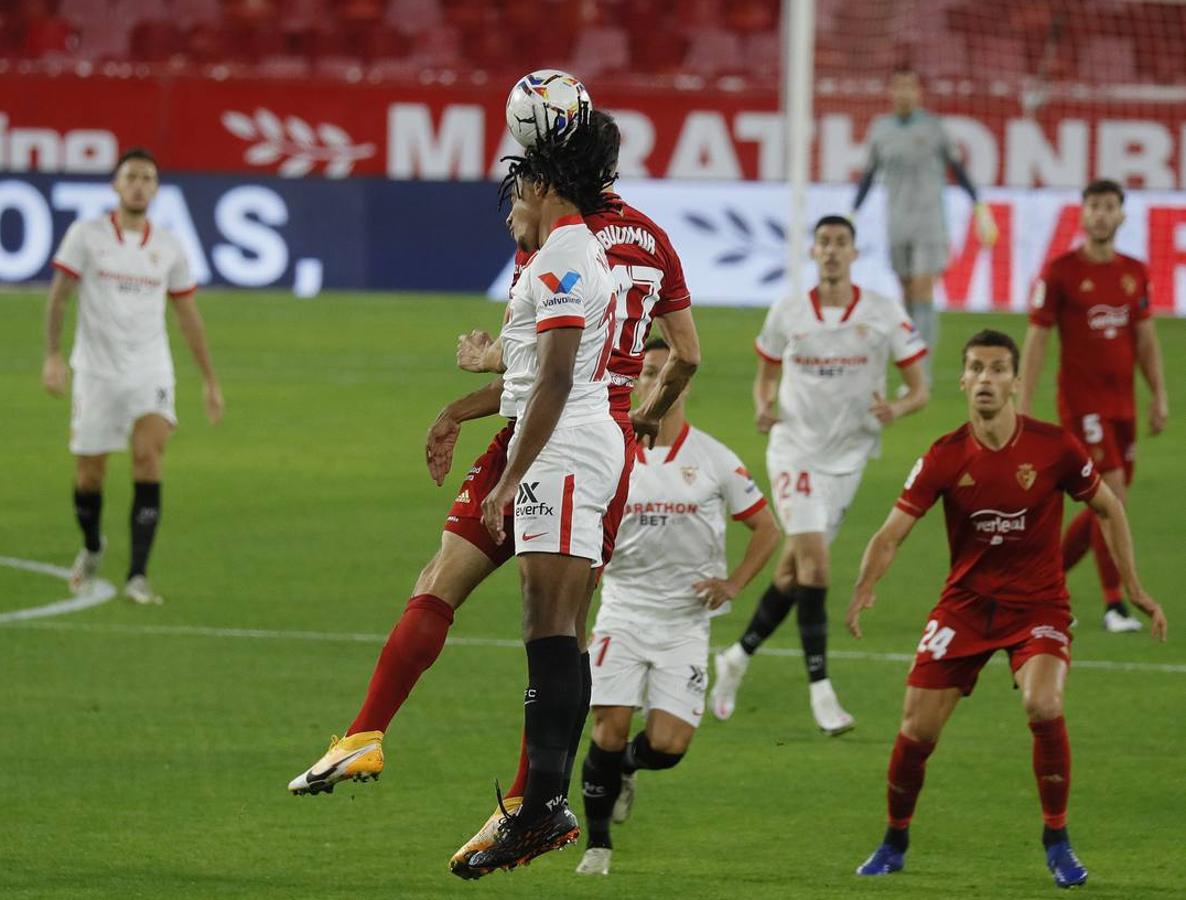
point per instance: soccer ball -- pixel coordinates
(546, 102)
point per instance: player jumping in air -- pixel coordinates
(124, 268)
(650, 286)
(668, 577)
(914, 151)
(1001, 477)
(820, 395)
(1098, 300)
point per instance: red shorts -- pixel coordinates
(964, 632)
(465, 516)
(1112, 443)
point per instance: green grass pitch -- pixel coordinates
(146, 750)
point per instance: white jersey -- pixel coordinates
(567, 284)
(673, 532)
(833, 361)
(123, 278)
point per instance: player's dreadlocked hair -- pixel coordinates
(579, 164)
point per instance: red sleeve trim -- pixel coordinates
(903, 363)
(66, 270)
(773, 360)
(185, 292)
(752, 511)
(1090, 491)
(666, 307)
(1041, 318)
(909, 508)
(560, 322)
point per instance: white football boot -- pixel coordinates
(138, 590)
(357, 756)
(86, 568)
(1117, 622)
(625, 802)
(730, 670)
(595, 861)
(829, 714)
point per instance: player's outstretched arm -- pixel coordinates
(194, 332)
(875, 563)
(557, 351)
(446, 428)
(1149, 359)
(679, 330)
(53, 370)
(1114, 524)
(1033, 355)
(764, 539)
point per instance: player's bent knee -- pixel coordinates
(674, 745)
(1042, 707)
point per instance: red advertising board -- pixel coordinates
(432, 132)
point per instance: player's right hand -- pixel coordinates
(438, 446)
(494, 508)
(471, 350)
(1150, 607)
(861, 600)
(53, 374)
(766, 418)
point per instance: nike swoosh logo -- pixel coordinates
(532, 537)
(321, 776)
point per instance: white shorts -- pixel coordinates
(806, 500)
(669, 673)
(562, 499)
(103, 410)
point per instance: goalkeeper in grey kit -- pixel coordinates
(914, 153)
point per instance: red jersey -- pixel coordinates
(1095, 307)
(1003, 509)
(649, 280)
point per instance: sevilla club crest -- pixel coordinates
(689, 473)
(1026, 476)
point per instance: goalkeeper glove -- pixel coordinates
(986, 225)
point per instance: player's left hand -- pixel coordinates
(861, 600)
(646, 429)
(494, 506)
(212, 399)
(986, 225)
(1159, 414)
(881, 409)
(438, 446)
(715, 592)
(471, 350)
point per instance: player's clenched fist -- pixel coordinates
(493, 507)
(472, 351)
(53, 374)
(766, 417)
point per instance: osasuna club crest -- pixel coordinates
(689, 473)
(1026, 476)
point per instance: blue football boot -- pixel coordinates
(884, 861)
(1064, 865)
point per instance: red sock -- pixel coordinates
(413, 646)
(520, 783)
(1077, 540)
(1052, 768)
(1109, 574)
(907, 769)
